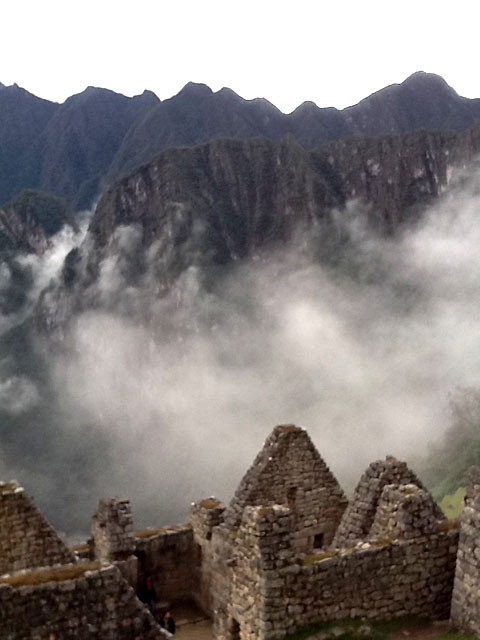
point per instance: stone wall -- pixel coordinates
(112, 529)
(465, 614)
(212, 544)
(289, 470)
(360, 513)
(275, 592)
(404, 511)
(112, 537)
(169, 557)
(97, 604)
(26, 538)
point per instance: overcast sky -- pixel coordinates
(333, 52)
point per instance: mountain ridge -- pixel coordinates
(77, 148)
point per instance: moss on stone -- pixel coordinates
(210, 503)
(148, 533)
(51, 574)
(81, 547)
(315, 558)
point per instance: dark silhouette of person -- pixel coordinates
(169, 622)
(161, 619)
(147, 594)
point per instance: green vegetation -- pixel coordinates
(446, 468)
(358, 629)
(314, 558)
(454, 635)
(452, 504)
(43, 209)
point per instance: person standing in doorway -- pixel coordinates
(169, 622)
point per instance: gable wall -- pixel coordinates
(275, 593)
(26, 538)
(290, 471)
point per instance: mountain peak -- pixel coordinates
(421, 80)
(196, 90)
(226, 91)
(306, 108)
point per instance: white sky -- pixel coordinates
(333, 52)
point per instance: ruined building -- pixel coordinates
(288, 551)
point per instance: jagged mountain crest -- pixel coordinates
(85, 144)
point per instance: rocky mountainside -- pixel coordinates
(29, 219)
(196, 115)
(81, 139)
(216, 203)
(423, 101)
(75, 149)
(64, 149)
(23, 117)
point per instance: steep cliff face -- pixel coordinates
(76, 148)
(228, 200)
(235, 195)
(396, 176)
(29, 219)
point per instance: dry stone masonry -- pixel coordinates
(26, 538)
(360, 513)
(289, 470)
(112, 529)
(404, 511)
(95, 604)
(466, 594)
(287, 552)
(275, 591)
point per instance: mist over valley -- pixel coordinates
(151, 341)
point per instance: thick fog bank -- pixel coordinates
(167, 399)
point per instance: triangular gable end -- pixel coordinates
(360, 514)
(26, 538)
(289, 470)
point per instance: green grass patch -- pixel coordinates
(455, 635)
(315, 558)
(452, 504)
(361, 629)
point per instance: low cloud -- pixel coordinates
(167, 398)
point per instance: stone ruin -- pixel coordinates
(289, 551)
(49, 592)
(466, 601)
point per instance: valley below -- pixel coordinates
(319, 268)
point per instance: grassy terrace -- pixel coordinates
(359, 629)
(51, 574)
